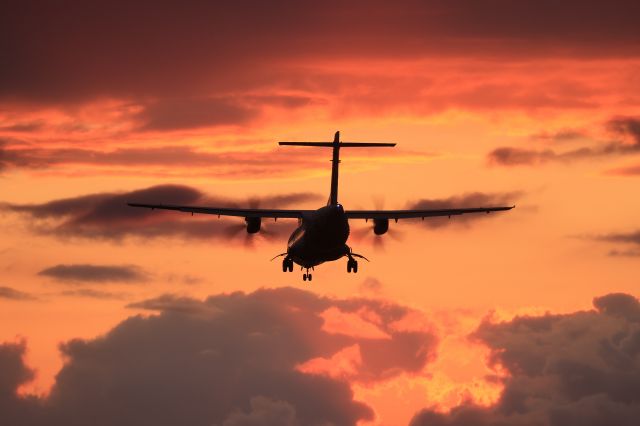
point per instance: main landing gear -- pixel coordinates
(287, 264)
(352, 265)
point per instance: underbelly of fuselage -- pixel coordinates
(321, 237)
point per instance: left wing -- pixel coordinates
(409, 214)
(222, 211)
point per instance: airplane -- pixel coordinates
(322, 234)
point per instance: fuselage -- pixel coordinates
(321, 237)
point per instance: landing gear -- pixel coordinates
(307, 275)
(352, 265)
(287, 264)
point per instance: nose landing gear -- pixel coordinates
(307, 276)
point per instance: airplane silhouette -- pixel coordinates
(322, 234)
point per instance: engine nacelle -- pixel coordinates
(380, 226)
(253, 224)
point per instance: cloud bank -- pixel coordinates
(625, 128)
(472, 199)
(86, 273)
(177, 50)
(575, 369)
(232, 359)
(106, 216)
(13, 294)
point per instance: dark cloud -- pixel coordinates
(163, 160)
(510, 96)
(624, 253)
(509, 156)
(172, 303)
(370, 285)
(8, 158)
(627, 126)
(623, 127)
(13, 294)
(34, 157)
(79, 50)
(189, 113)
(625, 171)
(264, 412)
(472, 199)
(107, 216)
(559, 136)
(106, 208)
(14, 372)
(575, 369)
(630, 238)
(16, 410)
(232, 361)
(84, 273)
(24, 127)
(178, 114)
(624, 237)
(619, 304)
(93, 294)
(184, 279)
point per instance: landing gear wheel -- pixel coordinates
(304, 277)
(309, 277)
(349, 267)
(355, 266)
(290, 265)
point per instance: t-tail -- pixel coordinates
(336, 145)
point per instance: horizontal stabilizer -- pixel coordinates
(365, 144)
(327, 144)
(336, 145)
(340, 144)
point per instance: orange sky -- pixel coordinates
(536, 105)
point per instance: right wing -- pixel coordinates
(223, 211)
(409, 214)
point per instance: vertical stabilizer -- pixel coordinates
(336, 145)
(335, 163)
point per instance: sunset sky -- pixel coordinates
(112, 315)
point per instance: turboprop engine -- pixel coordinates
(380, 226)
(253, 224)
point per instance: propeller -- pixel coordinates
(235, 230)
(367, 234)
